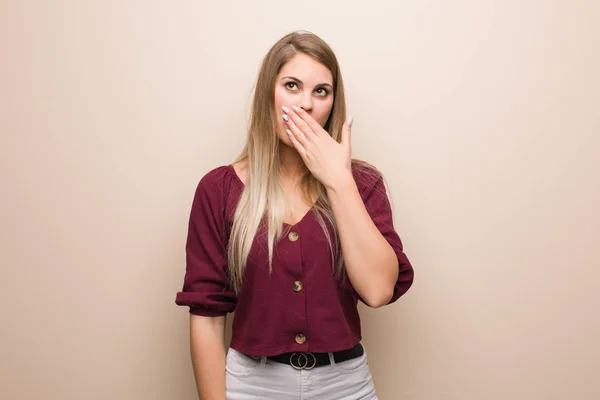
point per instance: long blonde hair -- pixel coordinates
(262, 199)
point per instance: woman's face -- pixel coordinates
(306, 83)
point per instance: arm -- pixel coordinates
(205, 287)
(207, 344)
(371, 263)
(375, 263)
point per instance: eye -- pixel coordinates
(322, 92)
(291, 85)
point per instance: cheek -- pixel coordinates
(278, 99)
(321, 113)
(281, 98)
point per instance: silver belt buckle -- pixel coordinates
(303, 361)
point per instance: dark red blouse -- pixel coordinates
(302, 307)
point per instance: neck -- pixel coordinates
(291, 163)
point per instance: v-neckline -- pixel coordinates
(310, 210)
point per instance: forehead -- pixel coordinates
(307, 69)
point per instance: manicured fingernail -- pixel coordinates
(285, 109)
(286, 118)
(288, 132)
(296, 108)
(350, 121)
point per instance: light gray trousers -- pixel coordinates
(248, 378)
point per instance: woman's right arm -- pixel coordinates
(207, 345)
(206, 288)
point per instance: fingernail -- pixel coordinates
(288, 132)
(296, 108)
(286, 118)
(285, 109)
(350, 121)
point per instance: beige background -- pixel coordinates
(484, 116)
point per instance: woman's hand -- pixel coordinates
(328, 160)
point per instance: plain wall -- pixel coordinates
(483, 116)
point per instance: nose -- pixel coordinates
(306, 102)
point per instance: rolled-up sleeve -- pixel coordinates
(379, 208)
(205, 288)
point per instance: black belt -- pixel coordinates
(312, 360)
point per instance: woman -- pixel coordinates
(291, 236)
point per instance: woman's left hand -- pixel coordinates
(328, 160)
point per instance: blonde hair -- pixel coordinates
(262, 198)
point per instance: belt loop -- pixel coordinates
(263, 362)
(331, 360)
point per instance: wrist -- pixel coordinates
(341, 184)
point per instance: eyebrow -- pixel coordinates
(299, 81)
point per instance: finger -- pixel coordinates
(297, 133)
(308, 119)
(300, 123)
(296, 143)
(347, 132)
